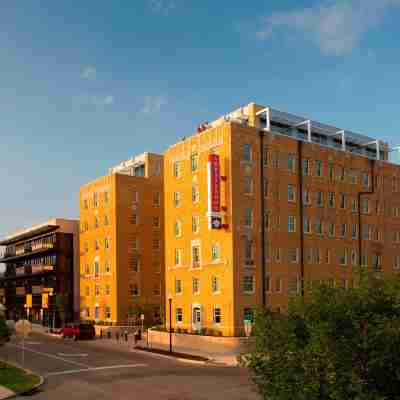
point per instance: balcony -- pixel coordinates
(20, 253)
(28, 271)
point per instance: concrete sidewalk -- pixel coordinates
(5, 393)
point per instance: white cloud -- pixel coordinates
(161, 6)
(153, 104)
(89, 73)
(103, 100)
(336, 27)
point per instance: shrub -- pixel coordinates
(333, 344)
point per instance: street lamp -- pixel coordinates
(170, 322)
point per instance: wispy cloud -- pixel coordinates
(103, 100)
(336, 27)
(161, 6)
(89, 73)
(153, 104)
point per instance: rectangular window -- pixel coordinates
(293, 255)
(135, 197)
(291, 193)
(343, 230)
(354, 231)
(331, 230)
(195, 224)
(195, 256)
(306, 167)
(366, 232)
(291, 162)
(307, 225)
(306, 197)
(106, 243)
(266, 187)
(278, 255)
(248, 251)
(331, 199)
(215, 252)
(365, 180)
(354, 205)
(343, 201)
(177, 199)
(217, 316)
(354, 258)
(279, 284)
(178, 286)
(247, 153)
(178, 257)
(95, 199)
(248, 284)
(376, 261)
(156, 244)
(195, 194)
(177, 169)
(341, 174)
(343, 257)
(196, 286)
(134, 219)
(156, 222)
(97, 290)
(291, 224)
(135, 264)
(215, 284)
(156, 199)
(396, 263)
(320, 199)
(365, 206)
(194, 162)
(318, 168)
(178, 315)
(248, 218)
(266, 156)
(87, 291)
(319, 230)
(248, 185)
(331, 170)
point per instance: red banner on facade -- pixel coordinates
(215, 183)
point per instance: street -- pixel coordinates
(86, 370)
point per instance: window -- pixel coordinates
(178, 315)
(135, 244)
(134, 289)
(215, 252)
(196, 286)
(178, 257)
(248, 217)
(307, 225)
(87, 291)
(96, 312)
(108, 290)
(306, 167)
(328, 256)
(195, 224)
(139, 170)
(294, 285)
(365, 206)
(217, 315)
(354, 258)
(96, 222)
(278, 255)
(364, 259)
(85, 204)
(353, 177)
(331, 230)
(396, 237)
(156, 289)
(87, 269)
(354, 205)
(156, 244)
(365, 180)
(178, 228)
(195, 194)
(194, 161)
(293, 255)
(215, 284)
(354, 231)
(248, 284)
(266, 187)
(291, 193)
(266, 156)
(135, 264)
(247, 153)
(96, 269)
(107, 312)
(320, 199)
(106, 198)
(248, 251)
(106, 220)
(331, 199)
(291, 224)
(341, 173)
(96, 245)
(291, 162)
(97, 290)
(135, 197)
(318, 168)
(156, 199)
(366, 232)
(177, 169)
(376, 261)
(331, 172)
(279, 284)
(317, 256)
(177, 199)
(156, 222)
(343, 201)
(396, 264)
(343, 257)
(267, 220)
(343, 230)
(95, 200)
(248, 185)
(86, 247)
(195, 256)
(306, 197)
(319, 230)
(178, 286)
(106, 243)
(134, 219)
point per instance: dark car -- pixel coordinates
(79, 331)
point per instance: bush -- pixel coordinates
(335, 344)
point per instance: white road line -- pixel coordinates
(72, 355)
(76, 371)
(52, 356)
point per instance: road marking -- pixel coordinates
(72, 355)
(51, 356)
(76, 371)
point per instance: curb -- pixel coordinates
(28, 391)
(185, 360)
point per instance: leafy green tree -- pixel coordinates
(335, 343)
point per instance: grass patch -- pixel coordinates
(16, 379)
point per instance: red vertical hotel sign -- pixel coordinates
(214, 191)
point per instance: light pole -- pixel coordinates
(170, 322)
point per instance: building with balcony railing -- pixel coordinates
(41, 261)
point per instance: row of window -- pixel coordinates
(135, 244)
(177, 196)
(135, 291)
(196, 255)
(96, 245)
(135, 220)
(96, 268)
(215, 285)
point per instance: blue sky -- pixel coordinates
(84, 86)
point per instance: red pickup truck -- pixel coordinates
(78, 331)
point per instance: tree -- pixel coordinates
(4, 331)
(332, 344)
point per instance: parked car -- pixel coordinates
(79, 331)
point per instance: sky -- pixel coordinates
(86, 84)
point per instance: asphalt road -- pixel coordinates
(82, 370)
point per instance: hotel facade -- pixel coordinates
(122, 243)
(259, 203)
